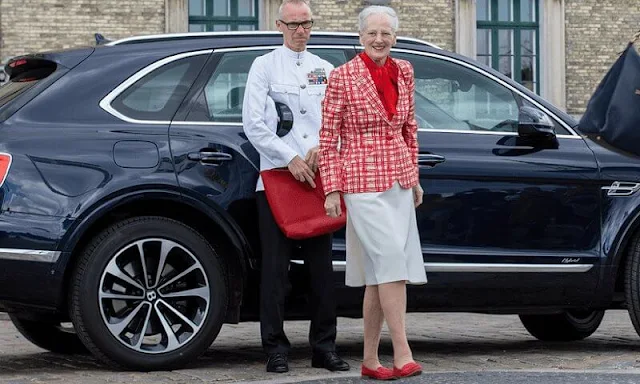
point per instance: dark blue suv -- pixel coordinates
(128, 220)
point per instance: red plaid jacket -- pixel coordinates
(361, 150)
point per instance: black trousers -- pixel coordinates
(277, 251)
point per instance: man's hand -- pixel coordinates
(312, 159)
(301, 171)
(417, 195)
(332, 204)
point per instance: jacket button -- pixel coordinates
(305, 136)
(389, 138)
(303, 111)
(303, 86)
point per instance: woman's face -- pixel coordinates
(378, 37)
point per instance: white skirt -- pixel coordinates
(383, 243)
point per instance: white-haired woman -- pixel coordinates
(369, 109)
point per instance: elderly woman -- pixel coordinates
(368, 155)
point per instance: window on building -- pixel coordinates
(508, 39)
(223, 15)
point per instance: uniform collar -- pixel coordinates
(293, 54)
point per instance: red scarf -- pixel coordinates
(385, 78)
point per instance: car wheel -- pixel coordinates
(632, 283)
(567, 326)
(53, 336)
(149, 293)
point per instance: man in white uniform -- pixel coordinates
(293, 76)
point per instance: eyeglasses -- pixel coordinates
(294, 24)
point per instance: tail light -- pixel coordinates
(5, 164)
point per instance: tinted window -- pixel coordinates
(222, 97)
(12, 89)
(157, 95)
(450, 96)
(24, 80)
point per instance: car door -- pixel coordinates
(507, 221)
(214, 161)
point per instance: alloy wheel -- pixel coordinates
(154, 296)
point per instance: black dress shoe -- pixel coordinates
(277, 363)
(330, 361)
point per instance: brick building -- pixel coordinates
(559, 48)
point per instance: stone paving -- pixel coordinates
(453, 343)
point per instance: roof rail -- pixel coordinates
(187, 35)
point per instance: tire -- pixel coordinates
(567, 326)
(158, 323)
(632, 283)
(52, 336)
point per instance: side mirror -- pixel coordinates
(285, 119)
(532, 122)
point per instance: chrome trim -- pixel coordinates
(4, 177)
(508, 268)
(340, 266)
(251, 33)
(105, 103)
(206, 123)
(479, 70)
(36, 255)
(262, 47)
(573, 137)
(622, 188)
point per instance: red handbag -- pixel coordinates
(297, 207)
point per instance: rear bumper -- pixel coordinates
(27, 282)
(28, 261)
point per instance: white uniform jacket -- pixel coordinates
(297, 79)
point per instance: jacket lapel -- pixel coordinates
(365, 84)
(403, 97)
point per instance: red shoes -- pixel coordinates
(409, 369)
(381, 373)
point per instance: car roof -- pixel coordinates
(316, 37)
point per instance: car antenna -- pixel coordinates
(100, 39)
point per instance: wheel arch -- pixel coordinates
(202, 217)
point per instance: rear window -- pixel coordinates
(21, 81)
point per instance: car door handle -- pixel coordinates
(429, 159)
(210, 157)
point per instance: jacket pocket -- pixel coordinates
(316, 90)
(285, 89)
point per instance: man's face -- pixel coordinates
(295, 40)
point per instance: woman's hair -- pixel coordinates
(377, 10)
(285, 2)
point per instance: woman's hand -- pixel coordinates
(312, 159)
(332, 204)
(417, 195)
(301, 171)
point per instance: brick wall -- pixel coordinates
(430, 20)
(596, 31)
(34, 25)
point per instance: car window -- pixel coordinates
(450, 96)
(158, 94)
(222, 98)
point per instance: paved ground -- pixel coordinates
(453, 348)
